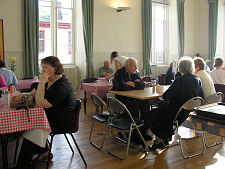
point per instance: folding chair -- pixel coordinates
(214, 98)
(189, 105)
(100, 116)
(122, 123)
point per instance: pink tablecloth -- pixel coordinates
(25, 84)
(100, 89)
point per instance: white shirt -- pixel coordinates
(121, 59)
(207, 83)
(218, 76)
(9, 76)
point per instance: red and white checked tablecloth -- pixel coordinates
(25, 84)
(12, 120)
(100, 89)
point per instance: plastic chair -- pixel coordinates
(220, 88)
(70, 132)
(87, 80)
(100, 116)
(189, 105)
(214, 98)
(122, 124)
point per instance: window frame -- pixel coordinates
(54, 25)
(153, 59)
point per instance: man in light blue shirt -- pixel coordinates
(8, 75)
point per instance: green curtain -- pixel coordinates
(180, 15)
(146, 35)
(88, 17)
(213, 17)
(31, 37)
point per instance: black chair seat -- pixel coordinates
(100, 118)
(124, 123)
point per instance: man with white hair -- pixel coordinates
(127, 78)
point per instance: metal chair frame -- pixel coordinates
(189, 105)
(99, 104)
(214, 98)
(129, 125)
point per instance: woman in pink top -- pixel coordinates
(3, 84)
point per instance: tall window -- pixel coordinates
(159, 33)
(55, 19)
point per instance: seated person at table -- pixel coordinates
(8, 75)
(207, 83)
(3, 84)
(127, 78)
(160, 120)
(105, 70)
(169, 75)
(55, 94)
(218, 75)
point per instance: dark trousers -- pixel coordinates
(136, 106)
(27, 151)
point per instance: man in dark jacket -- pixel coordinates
(125, 79)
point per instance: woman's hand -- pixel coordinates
(44, 76)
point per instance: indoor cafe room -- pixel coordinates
(97, 81)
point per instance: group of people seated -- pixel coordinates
(55, 94)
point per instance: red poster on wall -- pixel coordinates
(1, 40)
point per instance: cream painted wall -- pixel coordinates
(120, 31)
(196, 27)
(10, 11)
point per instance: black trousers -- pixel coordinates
(27, 151)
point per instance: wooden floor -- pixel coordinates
(169, 158)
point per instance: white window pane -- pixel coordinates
(44, 3)
(64, 3)
(64, 15)
(45, 14)
(159, 12)
(46, 48)
(63, 55)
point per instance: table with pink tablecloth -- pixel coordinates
(25, 84)
(101, 89)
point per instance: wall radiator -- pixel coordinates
(73, 75)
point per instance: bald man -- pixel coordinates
(105, 70)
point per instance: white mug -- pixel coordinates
(5, 99)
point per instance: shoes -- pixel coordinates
(44, 157)
(160, 145)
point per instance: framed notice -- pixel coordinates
(1, 40)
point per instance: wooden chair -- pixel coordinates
(70, 132)
(161, 79)
(189, 105)
(100, 116)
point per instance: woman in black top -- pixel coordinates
(55, 94)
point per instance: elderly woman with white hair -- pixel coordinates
(160, 120)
